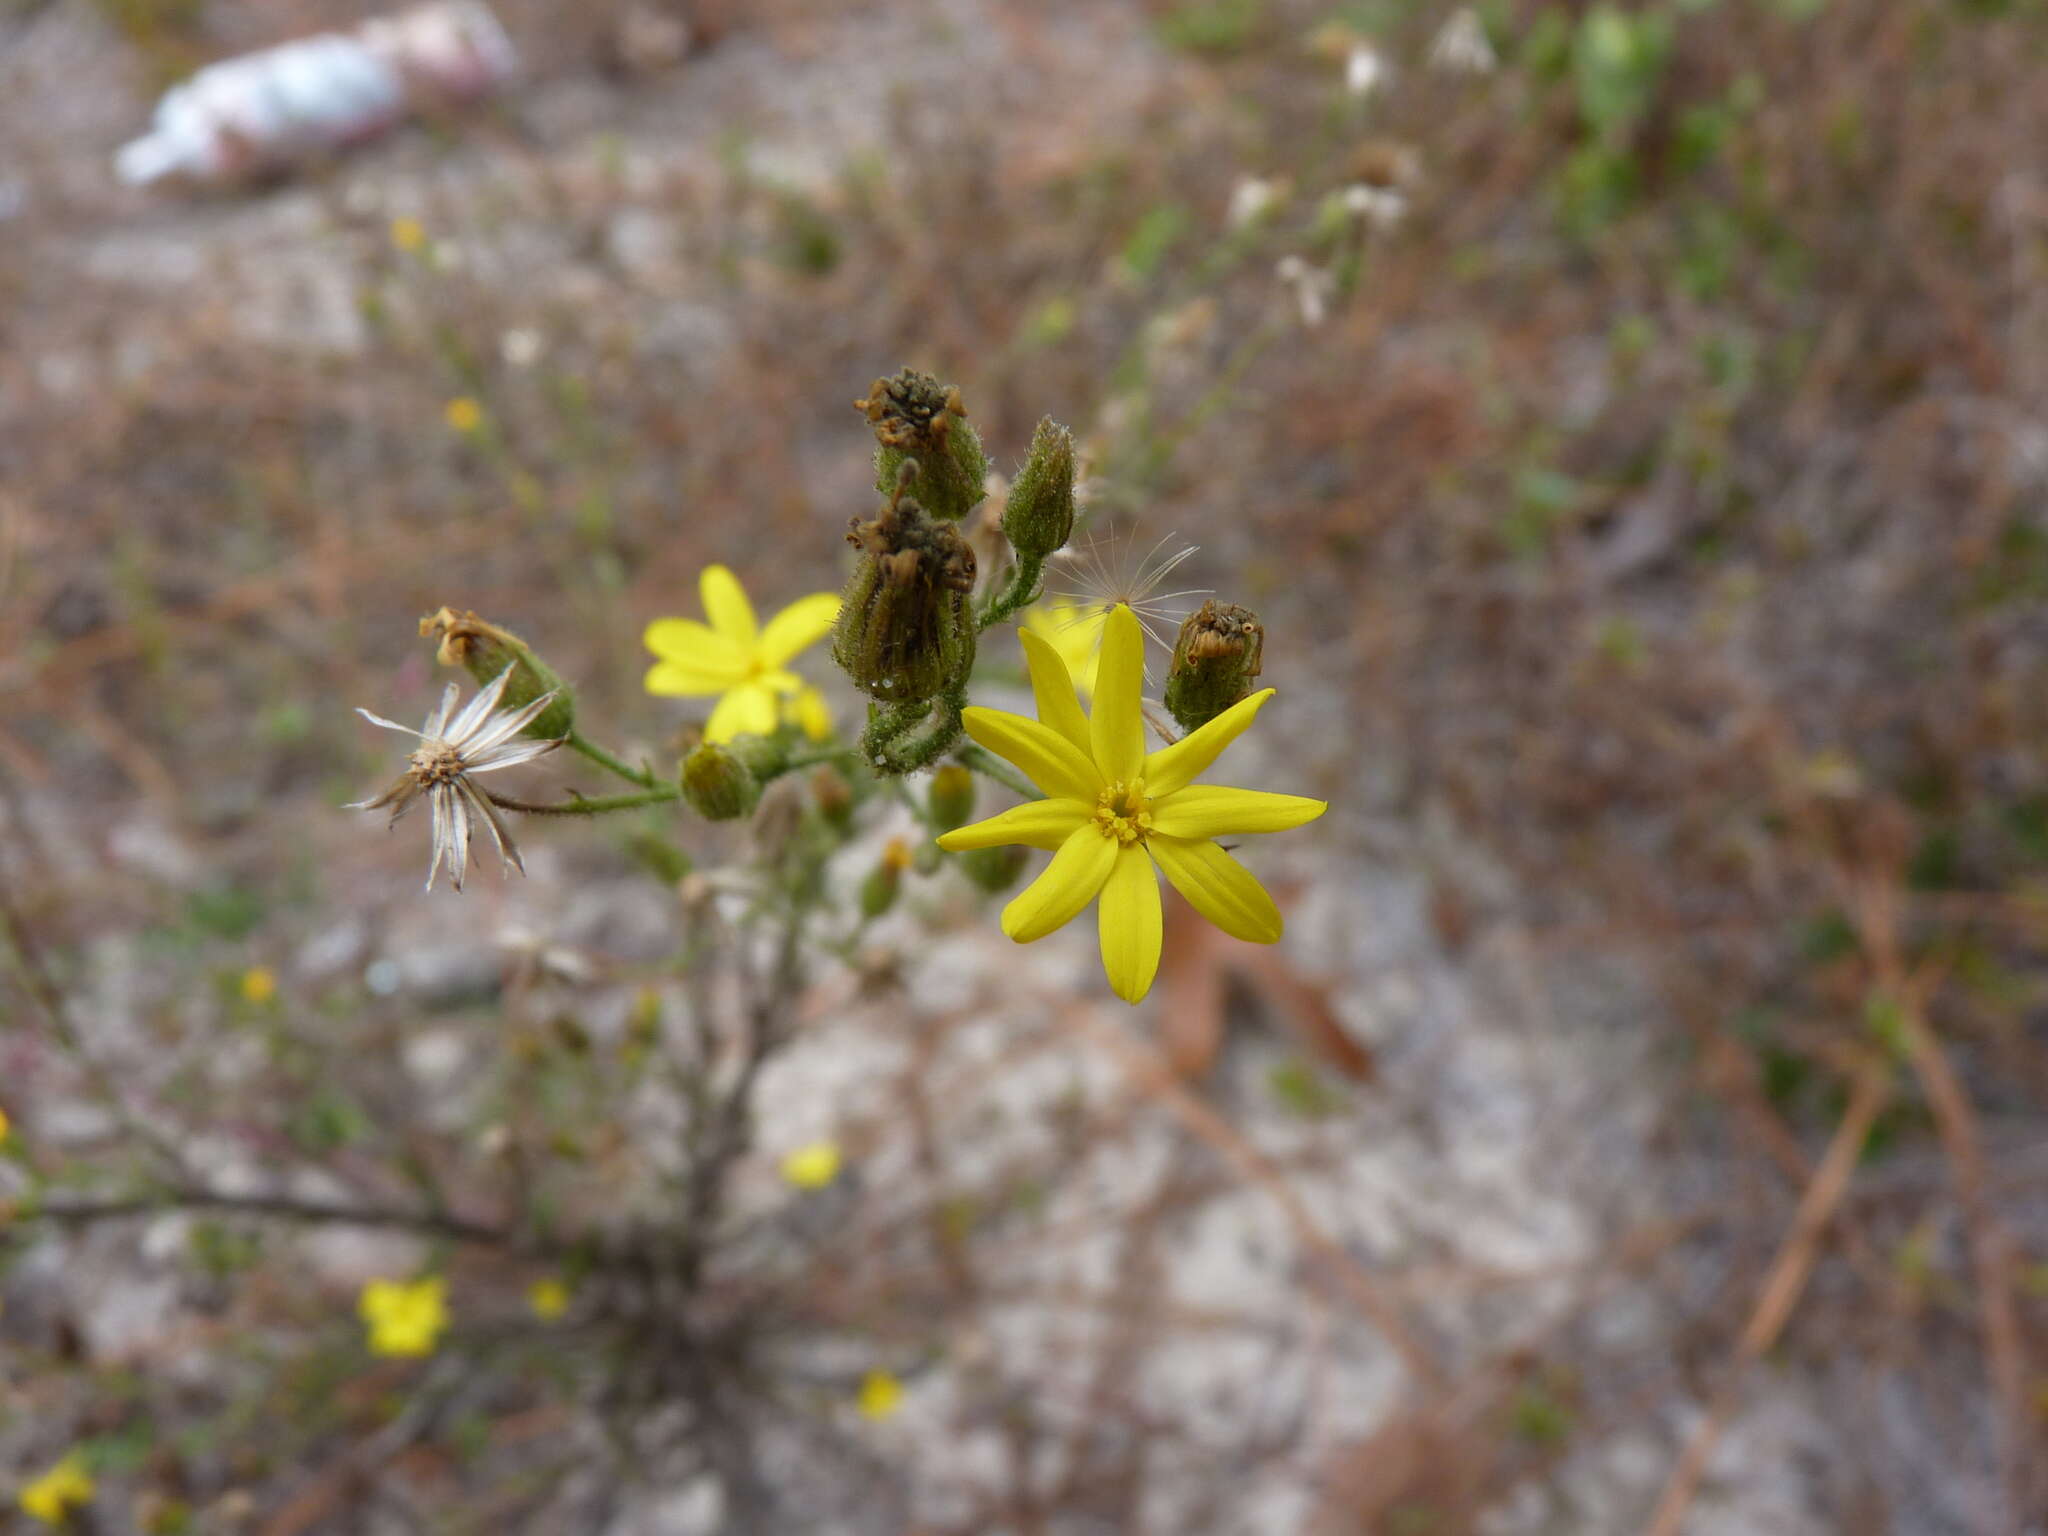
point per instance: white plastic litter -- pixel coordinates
(267, 110)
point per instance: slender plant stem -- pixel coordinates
(57, 1014)
(985, 762)
(434, 1224)
(821, 755)
(587, 806)
(1023, 588)
(604, 759)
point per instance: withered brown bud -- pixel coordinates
(1217, 655)
(917, 417)
(906, 625)
(484, 650)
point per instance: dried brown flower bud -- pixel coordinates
(1218, 654)
(917, 417)
(906, 625)
(485, 650)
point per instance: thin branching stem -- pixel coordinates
(585, 805)
(987, 763)
(590, 749)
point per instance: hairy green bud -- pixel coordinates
(1215, 659)
(484, 650)
(952, 796)
(995, 869)
(1039, 516)
(906, 624)
(915, 417)
(717, 785)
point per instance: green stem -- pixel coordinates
(590, 749)
(821, 755)
(1023, 589)
(985, 762)
(585, 805)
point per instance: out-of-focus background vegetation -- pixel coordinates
(1636, 452)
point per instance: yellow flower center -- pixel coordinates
(1122, 812)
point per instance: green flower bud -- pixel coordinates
(833, 796)
(878, 891)
(995, 869)
(485, 650)
(915, 417)
(717, 785)
(1039, 516)
(1214, 661)
(952, 796)
(906, 624)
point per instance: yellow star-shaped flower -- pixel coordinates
(65, 1487)
(549, 1298)
(733, 656)
(1074, 631)
(405, 1318)
(1114, 811)
(812, 1166)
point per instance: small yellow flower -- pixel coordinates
(744, 663)
(881, 1394)
(408, 235)
(259, 985)
(405, 1318)
(65, 1487)
(1114, 811)
(549, 1298)
(809, 712)
(813, 1166)
(1074, 631)
(464, 415)
(5, 1125)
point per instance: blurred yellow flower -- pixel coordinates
(809, 712)
(1074, 631)
(732, 656)
(813, 1166)
(880, 1395)
(65, 1487)
(5, 1125)
(464, 415)
(406, 1318)
(408, 235)
(258, 984)
(1115, 811)
(549, 1298)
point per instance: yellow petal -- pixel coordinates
(726, 606)
(1215, 810)
(1074, 631)
(1048, 759)
(1218, 887)
(1128, 925)
(1072, 880)
(1036, 824)
(748, 710)
(802, 623)
(812, 713)
(673, 679)
(1116, 728)
(696, 646)
(1052, 687)
(1175, 767)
